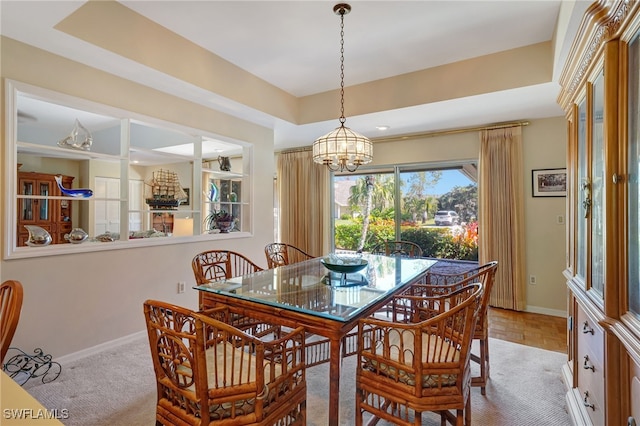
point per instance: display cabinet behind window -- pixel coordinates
(53, 215)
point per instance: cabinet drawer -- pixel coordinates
(590, 337)
(591, 388)
(590, 366)
(635, 392)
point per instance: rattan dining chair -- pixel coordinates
(398, 248)
(419, 362)
(440, 283)
(279, 254)
(211, 373)
(213, 265)
(10, 308)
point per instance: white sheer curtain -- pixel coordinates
(303, 196)
(501, 214)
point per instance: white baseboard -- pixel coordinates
(99, 348)
(546, 311)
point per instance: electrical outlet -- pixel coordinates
(181, 287)
(532, 279)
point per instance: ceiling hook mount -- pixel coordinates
(342, 9)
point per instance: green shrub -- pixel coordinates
(435, 242)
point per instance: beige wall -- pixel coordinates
(545, 147)
(75, 302)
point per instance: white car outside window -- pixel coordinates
(447, 217)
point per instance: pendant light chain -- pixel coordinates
(342, 119)
(342, 149)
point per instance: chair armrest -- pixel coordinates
(287, 349)
(285, 375)
(444, 287)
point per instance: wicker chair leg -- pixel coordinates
(467, 411)
(483, 360)
(486, 358)
(483, 367)
(443, 419)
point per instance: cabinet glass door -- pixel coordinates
(597, 187)
(26, 210)
(583, 198)
(633, 168)
(43, 208)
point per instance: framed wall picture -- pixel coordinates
(186, 191)
(549, 182)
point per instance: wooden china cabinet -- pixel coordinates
(54, 215)
(601, 96)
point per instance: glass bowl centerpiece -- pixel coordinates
(344, 264)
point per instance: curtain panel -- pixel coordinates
(302, 191)
(501, 214)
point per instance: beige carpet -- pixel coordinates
(117, 388)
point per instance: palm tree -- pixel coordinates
(412, 206)
(381, 192)
(369, 180)
(417, 202)
(431, 204)
(368, 193)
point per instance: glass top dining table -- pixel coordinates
(326, 303)
(308, 287)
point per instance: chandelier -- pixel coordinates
(342, 149)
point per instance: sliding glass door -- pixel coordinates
(401, 203)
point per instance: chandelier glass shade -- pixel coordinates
(342, 149)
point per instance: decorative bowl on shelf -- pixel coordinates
(38, 236)
(225, 225)
(76, 236)
(344, 265)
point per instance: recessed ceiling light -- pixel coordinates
(382, 128)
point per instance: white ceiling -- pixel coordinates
(294, 45)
